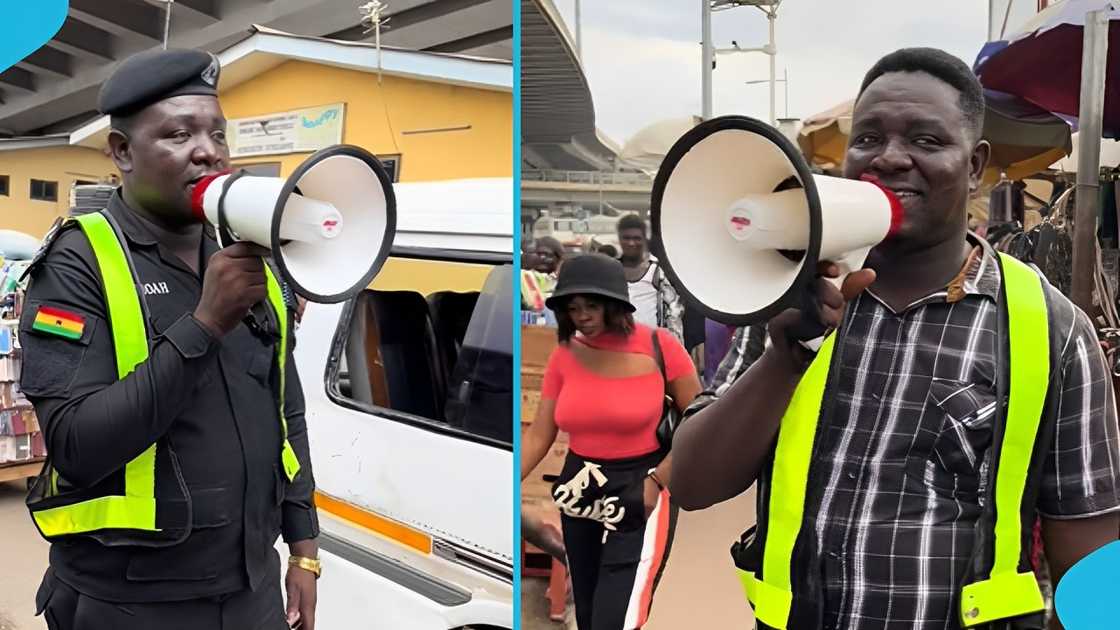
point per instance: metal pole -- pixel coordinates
(167, 24)
(579, 36)
(1094, 56)
(785, 79)
(773, 15)
(706, 59)
(991, 19)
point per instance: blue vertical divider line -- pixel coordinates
(27, 26)
(516, 249)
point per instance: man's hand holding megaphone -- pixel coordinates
(823, 311)
(234, 282)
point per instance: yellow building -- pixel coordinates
(429, 116)
(35, 179)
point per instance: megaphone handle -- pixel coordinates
(811, 331)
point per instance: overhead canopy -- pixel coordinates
(824, 136)
(1041, 62)
(557, 113)
(1025, 139)
(647, 148)
(1110, 156)
(54, 89)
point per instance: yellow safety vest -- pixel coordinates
(1006, 592)
(59, 515)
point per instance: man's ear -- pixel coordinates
(978, 161)
(120, 149)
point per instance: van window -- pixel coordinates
(441, 358)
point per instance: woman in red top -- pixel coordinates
(604, 387)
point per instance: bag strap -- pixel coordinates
(657, 356)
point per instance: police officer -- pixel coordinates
(178, 449)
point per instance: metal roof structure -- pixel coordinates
(557, 114)
(55, 88)
(267, 48)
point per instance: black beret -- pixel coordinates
(155, 75)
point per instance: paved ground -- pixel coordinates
(23, 559)
(699, 588)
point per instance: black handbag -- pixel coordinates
(670, 415)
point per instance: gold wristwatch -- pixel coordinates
(308, 564)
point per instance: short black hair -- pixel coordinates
(617, 318)
(551, 244)
(609, 250)
(633, 222)
(941, 65)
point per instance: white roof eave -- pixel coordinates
(33, 142)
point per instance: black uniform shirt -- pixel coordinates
(215, 401)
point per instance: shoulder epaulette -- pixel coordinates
(59, 227)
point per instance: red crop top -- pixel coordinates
(612, 417)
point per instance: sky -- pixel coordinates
(642, 57)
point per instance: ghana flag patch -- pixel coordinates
(56, 321)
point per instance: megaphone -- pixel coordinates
(330, 224)
(739, 222)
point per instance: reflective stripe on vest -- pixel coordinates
(136, 508)
(1006, 593)
(276, 297)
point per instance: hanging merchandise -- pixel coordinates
(21, 440)
(1049, 246)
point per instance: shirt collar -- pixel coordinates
(132, 225)
(979, 275)
(135, 229)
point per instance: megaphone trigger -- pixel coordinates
(262, 323)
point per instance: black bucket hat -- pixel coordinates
(591, 274)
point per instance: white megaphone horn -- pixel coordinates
(330, 225)
(739, 221)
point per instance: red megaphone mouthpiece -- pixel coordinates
(896, 205)
(199, 191)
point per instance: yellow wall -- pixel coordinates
(430, 276)
(60, 164)
(378, 117)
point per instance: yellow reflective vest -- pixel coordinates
(1006, 592)
(131, 516)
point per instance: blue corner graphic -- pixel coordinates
(1087, 596)
(27, 26)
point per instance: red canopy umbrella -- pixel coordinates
(1041, 63)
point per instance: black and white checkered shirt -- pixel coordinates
(900, 457)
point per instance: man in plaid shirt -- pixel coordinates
(901, 456)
